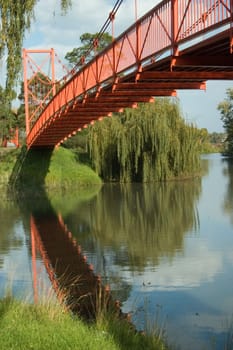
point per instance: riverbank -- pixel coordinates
(44, 169)
(49, 326)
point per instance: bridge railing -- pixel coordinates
(155, 35)
(197, 17)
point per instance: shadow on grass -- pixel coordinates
(30, 170)
(84, 158)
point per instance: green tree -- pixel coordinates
(151, 143)
(21, 114)
(16, 17)
(210, 143)
(226, 109)
(40, 90)
(91, 44)
(8, 118)
(217, 137)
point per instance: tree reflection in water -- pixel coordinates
(137, 223)
(228, 200)
(9, 216)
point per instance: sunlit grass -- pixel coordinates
(65, 169)
(48, 326)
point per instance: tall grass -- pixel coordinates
(48, 326)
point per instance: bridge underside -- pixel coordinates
(210, 59)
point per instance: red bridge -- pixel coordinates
(179, 44)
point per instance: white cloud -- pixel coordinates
(197, 265)
(63, 32)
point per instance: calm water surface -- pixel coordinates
(166, 250)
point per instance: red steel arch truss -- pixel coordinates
(179, 44)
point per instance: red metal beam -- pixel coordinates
(188, 76)
(203, 61)
(161, 85)
(142, 92)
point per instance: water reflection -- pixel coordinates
(129, 226)
(167, 245)
(9, 216)
(228, 200)
(71, 276)
(140, 223)
(12, 241)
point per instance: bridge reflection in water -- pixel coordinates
(71, 276)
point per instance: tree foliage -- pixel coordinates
(151, 143)
(217, 137)
(226, 109)
(91, 44)
(65, 5)
(213, 142)
(8, 118)
(16, 17)
(40, 91)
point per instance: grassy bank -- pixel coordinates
(44, 169)
(8, 159)
(38, 327)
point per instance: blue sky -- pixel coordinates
(50, 29)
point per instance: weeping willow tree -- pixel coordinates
(151, 143)
(16, 17)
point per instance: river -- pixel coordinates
(165, 250)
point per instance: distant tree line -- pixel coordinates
(226, 110)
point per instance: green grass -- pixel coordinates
(45, 169)
(24, 326)
(8, 158)
(65, 169)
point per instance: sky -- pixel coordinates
(52, 30)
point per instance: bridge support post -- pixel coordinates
(30, 72)
(174, 28)
(52, 54)
(26, 91)
(231, 31)
(138, 46)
